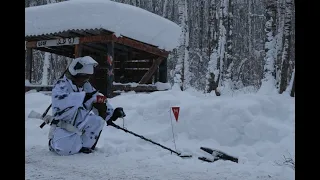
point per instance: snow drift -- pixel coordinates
(259, 129)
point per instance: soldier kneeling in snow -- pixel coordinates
(79, 111)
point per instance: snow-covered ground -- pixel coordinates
(259, 129)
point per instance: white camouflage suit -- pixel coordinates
(67, 105)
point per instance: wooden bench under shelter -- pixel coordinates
(79, 28)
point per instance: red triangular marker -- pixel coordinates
(176, 111)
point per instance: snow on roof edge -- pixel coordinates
(123, 19)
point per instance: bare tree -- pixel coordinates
(286, 47)
(212, 71)
(287, 161)
(183, 50)
(270, 51)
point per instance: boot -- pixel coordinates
(85, 150)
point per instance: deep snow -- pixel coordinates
(257, 128)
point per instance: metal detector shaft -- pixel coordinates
(44, 114)
(127, 131)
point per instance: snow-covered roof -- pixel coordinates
(122, 19)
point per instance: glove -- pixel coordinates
(93, 97)
(100, 99)
(100, 105)
(117, 113)
(89, 96)
(102, 109)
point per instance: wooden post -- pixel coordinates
(151, 70)
(29, 64)
(77, 50)
(163, 77)
(122, 70)
(127, 73)
(110, 70)
(156, 75)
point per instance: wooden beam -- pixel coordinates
(144, 56)
(119, 52)
(29, 64)
(121, 47)
(151, 71)
(97, 46)
(132, 65)
(141, 46)
(110, 71)
(99, 38)
(77, 50)
(31, 44)
(66, 49)
(93, 49)
(134, 69)
(155, 75)
(53, 42)
(139, 88)
(58, 52)
(127, 42)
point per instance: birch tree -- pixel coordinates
(164, 10)
(222, 40)
(45, 73)
(198, 61)
(270, 48)
(228, 58)
(182, 64)
(213, 70)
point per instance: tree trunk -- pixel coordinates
(186, 48)
(268, 80)
(46, 65)
(180, 68)
(293, 87)
(212, 74)
(222, 41)
(286, 47)
(164, 11)
(229, 57)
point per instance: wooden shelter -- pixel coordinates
(121, 59)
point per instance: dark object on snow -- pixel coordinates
(85, 150)
(207, 159)
(110, 123)
(217, 155)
